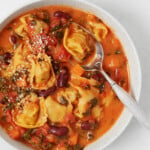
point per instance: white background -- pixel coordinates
(134, 15)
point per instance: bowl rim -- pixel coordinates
(90, 6)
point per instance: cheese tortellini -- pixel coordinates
(61, 105)
(76, 42)
(20, 56)
(26, 22)
(31, 112)
(85, 97)
(56, 111)
(98, 28)
(41, 73)
(19, 60)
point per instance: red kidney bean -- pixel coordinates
(7, 57)
(61, 14)
(56, 66)
(97, 76)
(86, 125)
(47, 92)
(13, 39)
(59, 131)
(63, 77)
(2, 101)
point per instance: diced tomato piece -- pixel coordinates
(21, 130)
(2, 95)
(35, 140)
(113, 61)
(70, 118)
(50, 138)
(14, 134)
(12, 96)
(21, 83)
(49, 40)
(77, 69)
(73, 139)
(40, 41)
(63, 21)
(61, 147)
(8, 116)
(55, 22)
(37, 43)
(62, 54)
(43, 130)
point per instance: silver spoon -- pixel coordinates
(125, 98)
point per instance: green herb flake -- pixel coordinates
(48, 146)
(102, 88)
(32, 22)
(3, 118)
(59, 35)
(9, 28)
(9, 106)
(63, 101)
(57, 27)
(77, 147)
(87, 113)
(86, 87)
(97, 86)
(40, 59)
(46, 17)
(27, 135)
(93, 102)
(78, 95)
(90, 136)
(87, 75)
(108, 54)
(117, 52)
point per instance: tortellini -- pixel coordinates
(22, 28)
(86, 95)
(98, 28)
(31, 112)
(28, 21)
(78, 80)
(61, 105)
(20, 56)
(57, 112)
(69, 94)
(76, 42)
(19, 60)
(41, 73)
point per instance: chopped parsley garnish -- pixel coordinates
(3, 118)
(117, 52)
(102, 88)
(63, 101)
(93, 102)
(57, 27)
(27, 135)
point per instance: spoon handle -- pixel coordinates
(128, 101)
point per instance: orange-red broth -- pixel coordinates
(115, 64)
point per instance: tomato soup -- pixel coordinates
(47, 100)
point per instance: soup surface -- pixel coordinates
(47, 101)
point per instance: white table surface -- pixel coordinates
(134, 15)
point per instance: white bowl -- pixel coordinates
(134, 65)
